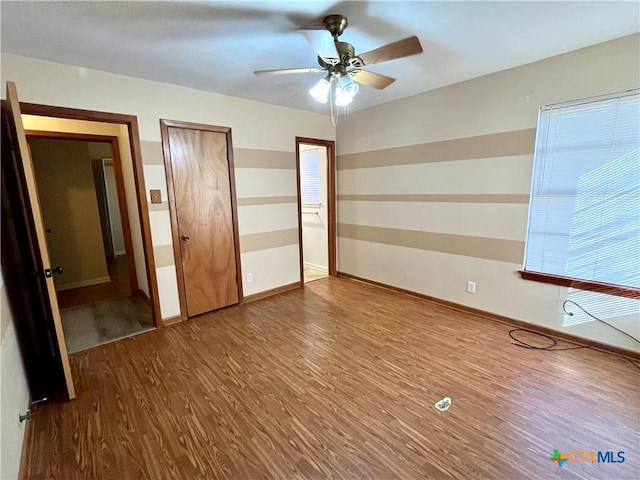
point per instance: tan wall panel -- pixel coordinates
(158, 207)
(250, 158)
(152, 153)
(504, 221)
(249, 201)
(267, 240)
(163, 255)
(506, 144)
(439, 198)
(510, 251)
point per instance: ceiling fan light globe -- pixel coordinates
(343, 100)
(320, 91)
(347, 87)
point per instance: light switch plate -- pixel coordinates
(156, 197)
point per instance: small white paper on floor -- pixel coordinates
(443, 404)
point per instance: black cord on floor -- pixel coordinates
(564, 307)
(553, 342)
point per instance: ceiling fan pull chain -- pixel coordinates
(334, 119)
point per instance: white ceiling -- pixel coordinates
(215, 46)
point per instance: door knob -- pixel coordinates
(186, 237)
(58, 269)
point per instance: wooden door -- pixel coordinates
(32, 293)
(205, 220)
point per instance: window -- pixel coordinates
(309, 178)
(584, 218)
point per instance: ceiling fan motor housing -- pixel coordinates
(335, 24)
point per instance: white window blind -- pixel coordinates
(309, 177)
(584, 218)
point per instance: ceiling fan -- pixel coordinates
(343, 67)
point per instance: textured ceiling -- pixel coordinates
(215, 46)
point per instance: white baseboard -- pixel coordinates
(317, 267)
(83, 283)
(120, 252)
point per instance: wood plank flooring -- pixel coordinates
(311, 274)
(336, 380)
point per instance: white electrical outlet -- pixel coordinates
(471, 287)
(249, 277)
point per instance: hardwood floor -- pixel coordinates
(336, 380)
(311, 274)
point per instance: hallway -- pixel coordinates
(103, 313)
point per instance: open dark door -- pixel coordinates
(25, 264)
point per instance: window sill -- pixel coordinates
(312, 205)
(606, 288)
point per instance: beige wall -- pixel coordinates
(14, 394)
(70, 211)
(433, 190)
(99, 150)
(264, 154)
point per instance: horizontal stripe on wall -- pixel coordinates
(439, 198)
(157, 207)
(163, 255)
(518, 142)
(250, 158)
(510, 251)
(151, 153)
(249, 201)
(506, 221)
(495, 175)
(265, 240)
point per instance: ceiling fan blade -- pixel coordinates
(286, 71)
(374, 80)
(317, 24)
(402, 48)
(322, 42)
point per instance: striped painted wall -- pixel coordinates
(433, 190)
(267, 219)
(264, 154)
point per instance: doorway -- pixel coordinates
(81, 189)
(204, 219)
(316, 206)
